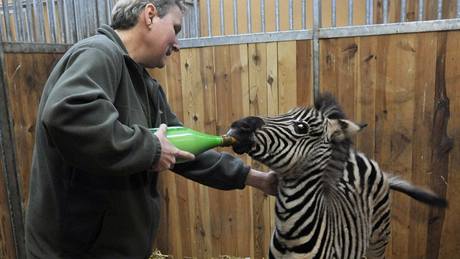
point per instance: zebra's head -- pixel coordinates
(300, 137)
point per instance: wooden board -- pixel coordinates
(7, 247)
(304, 73)
(366, 83)
(258, 104)
(226, 88)
(240, 103)
(450, 242)
(194, 114)
(423, 119)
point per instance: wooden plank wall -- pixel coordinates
(359, 14)
(394, 83)
(397, 84)
(387, 81)
(25, 75)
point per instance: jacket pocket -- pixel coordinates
(82, 219)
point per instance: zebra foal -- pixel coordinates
(332, 201)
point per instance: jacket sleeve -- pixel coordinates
(82, 123)
(218, 170)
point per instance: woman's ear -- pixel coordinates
(340, 129)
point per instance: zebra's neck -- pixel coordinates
(335, 166)
(328, 163)
(317, 180)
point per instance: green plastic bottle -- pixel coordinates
(194, 141)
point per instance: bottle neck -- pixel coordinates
(227, 141)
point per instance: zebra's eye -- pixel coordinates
(301, 127)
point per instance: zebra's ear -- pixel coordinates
(341, 129)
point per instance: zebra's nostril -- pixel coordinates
(245, 128)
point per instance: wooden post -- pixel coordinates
(440, 148)
(9, 169)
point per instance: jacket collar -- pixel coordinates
(112, 35)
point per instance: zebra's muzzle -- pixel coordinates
(243, 131)
(244, 142)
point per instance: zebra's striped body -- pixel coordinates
(350, 221)
(332, 201)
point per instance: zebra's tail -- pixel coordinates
(418, 193)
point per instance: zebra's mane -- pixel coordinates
(329, 107)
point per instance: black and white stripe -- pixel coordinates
(332, 201)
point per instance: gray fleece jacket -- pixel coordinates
(92, 192)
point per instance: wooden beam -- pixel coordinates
(7, 153)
